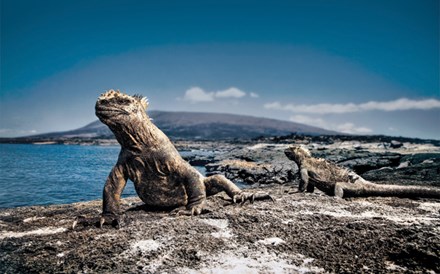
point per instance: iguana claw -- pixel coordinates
(243, 197)
(77, 219)
(101, 222)
(112, 219)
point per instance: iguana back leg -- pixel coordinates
(218, 183)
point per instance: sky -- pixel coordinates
(361, 67)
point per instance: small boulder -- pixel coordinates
(395, 144)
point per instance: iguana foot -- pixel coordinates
(84, 221)
(196, 208)
(339, 191)
(251, 197)
(78, 219)
(190, 210)
(113, 219)
(87, 221)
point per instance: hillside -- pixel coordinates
(197, 125)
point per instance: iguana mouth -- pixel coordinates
(104, 109)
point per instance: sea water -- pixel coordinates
(55, 174)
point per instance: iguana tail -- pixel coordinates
(368, 189)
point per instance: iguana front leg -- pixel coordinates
(113, 188)
(305, 182)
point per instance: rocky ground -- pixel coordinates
(264, 162)
(298, 233)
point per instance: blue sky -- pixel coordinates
(355, 66)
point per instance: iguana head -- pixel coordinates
(115, 108)
(297, 153)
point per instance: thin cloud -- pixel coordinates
(352, 129)
(254, 95)
(197, 94)
(316, 122)
(349, 128)
(7, 132)
(231, 92)
(395, 105)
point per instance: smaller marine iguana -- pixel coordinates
(338, 181)
(148, 158)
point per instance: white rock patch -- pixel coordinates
(145, 245)
(32, 219)
(222, 226)
(393, 267)
(41, 231)
(259, 146)
(272, 241)
(400, 218)
(431, 207)
(219, 223)
(264, 263)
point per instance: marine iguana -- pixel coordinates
(342, 182)
(148, 158)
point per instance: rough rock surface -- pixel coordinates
(420, 169)
(255, 163)
(265, 163)
(299, 233)
(360, 161)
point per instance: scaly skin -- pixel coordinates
(342, 182)
(149, 159)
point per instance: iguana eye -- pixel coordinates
(123, 101)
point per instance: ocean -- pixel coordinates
(56, 174)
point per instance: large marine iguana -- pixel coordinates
(148, 158)
(342, 182)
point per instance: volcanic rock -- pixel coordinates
(305, 233)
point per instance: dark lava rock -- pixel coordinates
(253, 173)
(360, 161)
(418, 169)
(258, 163)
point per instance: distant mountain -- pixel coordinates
(198, 125)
